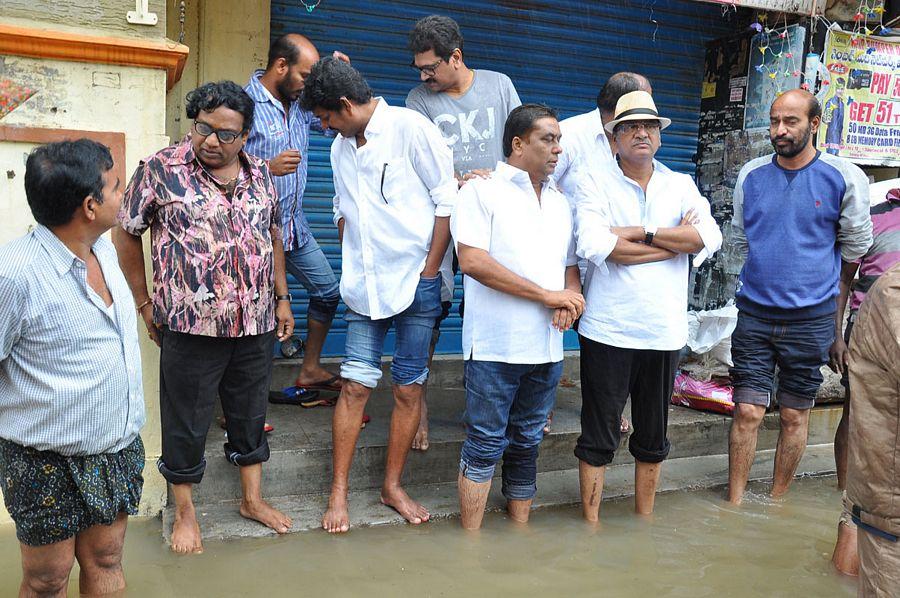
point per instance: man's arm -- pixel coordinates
(12, 316)
(479, 264)
(563, 318)
(131, 260)
(440, 240)
(283, 315)
(838, 353)
(855, 224)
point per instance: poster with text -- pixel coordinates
(861, 100)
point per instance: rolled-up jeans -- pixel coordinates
(413, 328)
(507, 406)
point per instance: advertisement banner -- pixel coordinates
(860, 98)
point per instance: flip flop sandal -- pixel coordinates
(293, 395)
(266, 428)
(366, 419)
(331, 384)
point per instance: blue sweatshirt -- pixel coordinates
(795, 226)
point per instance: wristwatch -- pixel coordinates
(649, 232)
(283, 298)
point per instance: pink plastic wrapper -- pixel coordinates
(703, 396)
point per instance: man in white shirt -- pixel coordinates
(514, 237)
(636, 227)
(394, 192)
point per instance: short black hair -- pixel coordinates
(615, 87)
(283, 47)
(438, 33)
(331, 79)
(59, 176)
(210, 96)
(521, 120)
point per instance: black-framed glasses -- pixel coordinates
(224, 135)
(632, 127)
(428, 69)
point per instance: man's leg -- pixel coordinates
(652, 380)
(309, 266)
(605, 382)
(791, 445)
(841, 443)
(846, 555)
(491, 388)
(244, 391)
(191, 368)
(420, 440)
(753, 375)
(99, 553)
(361, 371)
(45, 569)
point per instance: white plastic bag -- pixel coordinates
(709, 332)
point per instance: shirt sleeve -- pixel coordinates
(470, 223)
(513, 100)
(11, 317)
(706, 227)
(274, 205)
(415, 102)
(433, 161)
(738, 236)
(336, 200)
(855, 224)
(593, 237)
(140, 201)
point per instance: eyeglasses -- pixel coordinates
(632, 127)
(428, 69)
(224, 135)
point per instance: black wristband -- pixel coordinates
(283, 297)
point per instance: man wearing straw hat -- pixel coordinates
(636, 227)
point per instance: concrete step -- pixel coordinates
(221, 520)
(301, 453)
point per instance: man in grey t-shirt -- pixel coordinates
(469, 106)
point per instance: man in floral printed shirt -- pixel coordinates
(219, 291)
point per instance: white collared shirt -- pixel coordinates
(389, 191)
(643, 306)
(531, 238)
(585, 149)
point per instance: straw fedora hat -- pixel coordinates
(636, 105)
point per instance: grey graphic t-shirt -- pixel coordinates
(472, 124)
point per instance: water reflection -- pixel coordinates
(696, 545)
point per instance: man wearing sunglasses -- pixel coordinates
(219, 298)
(470, 107)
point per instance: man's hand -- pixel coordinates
(285, 320)
(839, 355)
(152, 329)
(690, 218)
(427, 273)
(341, 56)
(478, 173)
(565, 299)
(563, 318)
(286, 162)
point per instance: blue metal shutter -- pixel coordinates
(558, 53)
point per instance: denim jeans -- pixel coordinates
(413, 327)
(507, 405)
(799, 349)
(310, 267)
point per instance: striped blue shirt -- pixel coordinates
(70, 367)
(272, 133)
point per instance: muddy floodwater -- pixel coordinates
(694, 546)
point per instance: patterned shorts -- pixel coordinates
(52, 498)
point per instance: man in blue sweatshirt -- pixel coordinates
(800, 216)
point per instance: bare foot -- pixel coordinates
(420, 440)
(409, 509)
(549, 422)
(313, 375)
(186, 533)
(337, 518)
(263, 512)
(624, 426)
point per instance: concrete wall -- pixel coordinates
(91, 97)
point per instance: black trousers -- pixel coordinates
(193, 372)
(608, 376)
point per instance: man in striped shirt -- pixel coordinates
(881, 257)
(71, 396)
(280, 135)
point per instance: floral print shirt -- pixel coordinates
(213, 269)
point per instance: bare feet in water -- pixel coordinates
(263, 512)
(337, 518)
(409, 509)
(186, 533)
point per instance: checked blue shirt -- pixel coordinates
(273, 132)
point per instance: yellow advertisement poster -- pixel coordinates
(861, 101)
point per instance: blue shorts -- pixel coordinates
(799, 349)
(413, 328)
